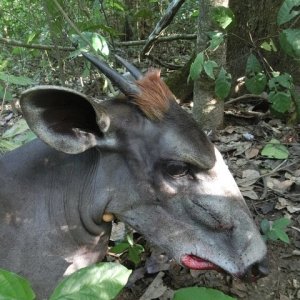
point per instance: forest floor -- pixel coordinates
(271, 188)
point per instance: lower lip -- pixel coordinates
(197, 263)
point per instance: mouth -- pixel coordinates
(252, 274)
(197, 263)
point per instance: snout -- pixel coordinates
(256, 271)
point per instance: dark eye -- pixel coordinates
(177, 169)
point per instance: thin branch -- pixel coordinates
(162, 39)
(164, 64)
(243, 97)
(11, 42)
(107, 23)
(70, 22)
(161, 25)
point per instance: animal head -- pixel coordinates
(172, 184)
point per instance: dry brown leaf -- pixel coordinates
(284, 203)
(155, 289)
(277, 185)
(251, 152)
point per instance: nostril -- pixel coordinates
(260, 269)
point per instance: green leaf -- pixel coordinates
(253, 66)
(97, 41)
(17, 80)
(14, 287)
(216, 38)
(280, 81)
(209, 66)
(19, 127)
(272, 235)
(197, 66)
(201, 293)
(6, 145)
(288, 10)
(120, 248)
(289, 40)
(281, 235)
(275, 150)
(281, 223)
(269, 46)
(265, 226)
(256, 84)
(281, 101)
(223, 84)
(102, 281)
(222, 15)
(115, 5)
(134, 255)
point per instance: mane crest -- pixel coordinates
(155, 96)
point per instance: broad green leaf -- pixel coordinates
(209, 66)
(17, 80)
(201, 293)
(272, 235)
(284, 80)
(216, 38)
(197, 66)
(265, 226)
(281, 223)
(223, 84)
(14, 287)
(281, 101)
(253, 66)
(120, 248)
(134, 254)
(288, 10)
(281, 235)
(7, 145)
(275, 150)
(19, 127)
(24, 137)
(222, 15)
(115, 5)
(97, 41)
(195, 13)
(289, 40)
(256, 84)
(269, 46)
(102, 281)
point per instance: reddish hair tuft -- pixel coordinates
(155, 96)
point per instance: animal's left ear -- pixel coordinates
(64, 119)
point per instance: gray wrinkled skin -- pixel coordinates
(51, 203)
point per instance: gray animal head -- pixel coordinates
(173, 185)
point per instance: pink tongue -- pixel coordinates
(197, 263)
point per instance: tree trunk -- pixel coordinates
(257, 18)
(208, 110)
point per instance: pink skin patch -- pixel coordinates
(197, 263)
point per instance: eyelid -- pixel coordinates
(177, 169)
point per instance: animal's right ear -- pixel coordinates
(65, 119)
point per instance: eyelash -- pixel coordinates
(177, 169)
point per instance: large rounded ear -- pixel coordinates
(63, 118)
